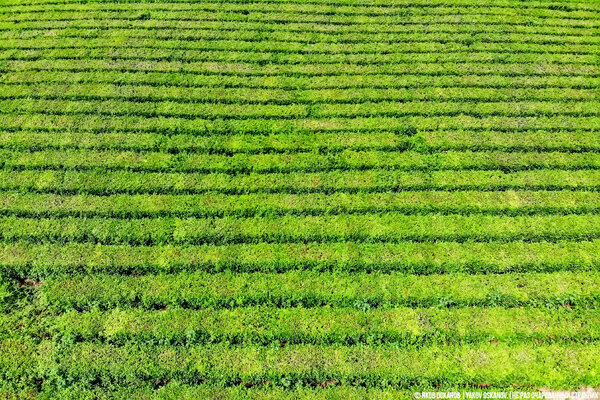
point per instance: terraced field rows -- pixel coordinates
(298, 199)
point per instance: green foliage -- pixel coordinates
(314, 289)
(291, 162)
(40, 260)
(369, 228)
(377, 180)
(177, 391)
(298, 199)
(509, 202)
(7, 291)
(361, 324)
(95, 365)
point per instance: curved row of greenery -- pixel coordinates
(254, 144)
(290, 162)
(415, 46)
(301, 26)
(375, 180)
(252, 30)
(330, 142)
(272, 69)
(327, 14)
(539, 140)
(251, 56)
(390, 227)
(264, 204)
(174, 390)
(106, 366)
(381, 10)
(356, 325)
(226, 32)
(383, 81)
(24, 259)
(173, 125)
(282, 326)
(250, 96)
(296, 111)
(559, 4)
(357, 290)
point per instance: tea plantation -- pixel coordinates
(298, 199)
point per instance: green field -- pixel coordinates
(298, 199)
